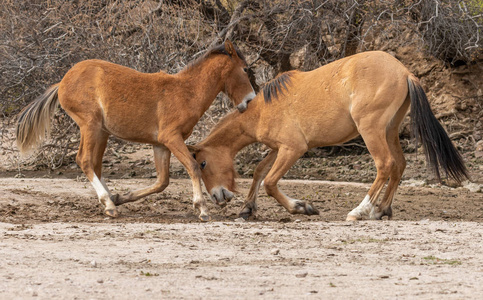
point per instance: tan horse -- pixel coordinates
(158, 109)
(366, 94)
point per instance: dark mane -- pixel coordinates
(274, 88)
(219, 49)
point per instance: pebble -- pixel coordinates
(275, 251)
(240, 220)
(100, 280)
(301, 275)
(94, 264)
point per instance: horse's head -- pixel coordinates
(237, 83)
(217, 172)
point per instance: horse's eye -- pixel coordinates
(245, 70)
(203, 165)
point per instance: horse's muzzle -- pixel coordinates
(221, 196)
(244, 104)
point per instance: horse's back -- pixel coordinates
(122, 99)
(322, 103)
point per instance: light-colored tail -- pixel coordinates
(33, 124)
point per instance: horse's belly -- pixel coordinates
(327, 131)
(131, 129)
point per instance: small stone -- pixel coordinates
(297, 221)
(275, 251)
(240, 220)
(94, 264)
(301, 275)
(100, 280)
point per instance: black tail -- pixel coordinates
(438, 148)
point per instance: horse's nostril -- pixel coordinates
(242, 107)
(227, 195)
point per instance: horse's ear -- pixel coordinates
(230, 49)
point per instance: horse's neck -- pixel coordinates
(205, 82)
(234, 132)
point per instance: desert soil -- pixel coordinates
(57, 244)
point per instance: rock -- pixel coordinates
(94, 264)
(473, 187)
(302, 274)
(275, 251)
(241, 220)
(100, 280)
(479, 149)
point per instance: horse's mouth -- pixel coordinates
(221, 196)
(242, 107)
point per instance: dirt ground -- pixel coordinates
(57, 244)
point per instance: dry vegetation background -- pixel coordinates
(439, 41)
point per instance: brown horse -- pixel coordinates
(159, 109)
(366, 94)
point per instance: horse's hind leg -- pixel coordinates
(89, 158)
(375, 138)
(162, 157)
(250, 206)
(285, 159)
(397, 171)
(384, 208)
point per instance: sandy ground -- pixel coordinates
(57, 244)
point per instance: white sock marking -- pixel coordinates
(364, 208)
(99, 187)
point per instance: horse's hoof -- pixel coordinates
(310, 210)
(246, 213)
(205, 218)
(113, 213)
(115, 199)
(302, 207)
(352, 218)
(388, 212)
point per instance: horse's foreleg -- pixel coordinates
(286, 157)
(250, 206)
(162, 156)
(179, 149)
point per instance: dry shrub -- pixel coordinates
(41, 40)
